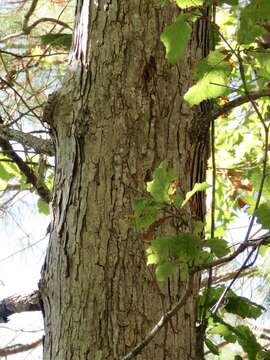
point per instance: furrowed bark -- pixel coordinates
(119, 114)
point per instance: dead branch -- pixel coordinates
(41, 146)
(19, 303)
(18, 348)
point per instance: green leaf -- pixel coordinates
(263, 355)
(175, 38)
(197, 187)
(57, 40)
(218, 246)
(263, 215)
(212, 75)
(145, 212)
(198, 227)
(178, 200)
(203, 257)
(211, 346)
(243, 307)
(4, 173)
(247, 340)
(183, 4)
(160, 185)
(263, 60)
(165, 270)
(184, 245)
(252, 18)
(43, 207)
(255, 176)
(224, 331)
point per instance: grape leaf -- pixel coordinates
(165, 270)
(263, 215)
(160, 185)
(243, 307)
(183, 4)
(212, 75)
(197, 187)
(252, 18)
(145, 212)
(43, 207)
(248, 341)
(175, 38)
(218, 246)
(4, 173)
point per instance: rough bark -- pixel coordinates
(116, 118)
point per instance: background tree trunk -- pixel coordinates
(118, 115)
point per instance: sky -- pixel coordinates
(22, 250)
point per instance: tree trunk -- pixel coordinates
(117, 116)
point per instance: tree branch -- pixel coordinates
(41, 146)
(19, 303)
(221, 110)
(18, 348)
(228, 276)
(26, 28)
(45, 19)
(263, 240)
(31, 178)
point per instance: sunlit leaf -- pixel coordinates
(43, 207)
(218, 246)
(175, 38)
(212, 75)
(183, 4)
(263, 215)
(160, 185)
(197, 187)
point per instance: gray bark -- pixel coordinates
(119, 114)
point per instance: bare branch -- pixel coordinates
(26, 28)
(41, 20)
(262, 240)
(228, 276)
(19, 303)
(221, 110)
(163, 321)
(18, 348)
(41, 146)
(29, 13)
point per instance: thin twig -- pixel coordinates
(19, 348)
(221, 110)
